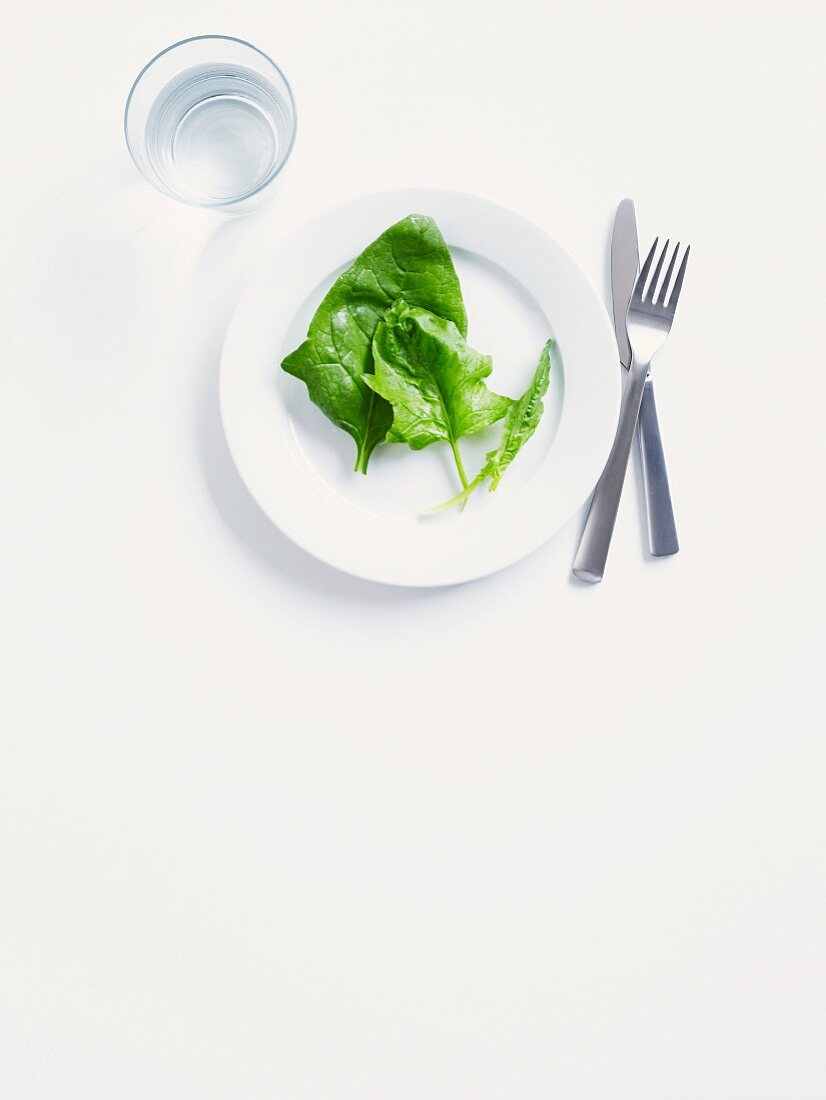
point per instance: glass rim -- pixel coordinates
(186, 42)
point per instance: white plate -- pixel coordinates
(520, 288)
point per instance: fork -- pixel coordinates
(649, 323)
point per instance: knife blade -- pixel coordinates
(625, 262)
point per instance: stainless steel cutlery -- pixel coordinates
(648, 322)
(625, 264)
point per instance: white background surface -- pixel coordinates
(268, 831)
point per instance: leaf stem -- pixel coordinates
(459, 464)
(461, 498)
(361, 458)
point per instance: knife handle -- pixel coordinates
(589, 564)
(662, 531)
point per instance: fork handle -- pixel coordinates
(599, 526)
(662, 531)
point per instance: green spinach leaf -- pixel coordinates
(410, 260)
(433, 379)
(520, 424)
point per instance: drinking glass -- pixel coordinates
(211, 122)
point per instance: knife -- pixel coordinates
(625, 262)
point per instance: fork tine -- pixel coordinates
(664, 288)
(643, 275)
(678, 283)
(652, 287)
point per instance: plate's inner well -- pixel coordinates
(506, 322)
